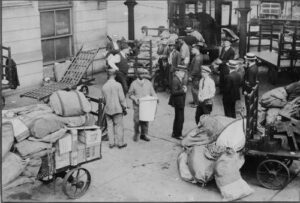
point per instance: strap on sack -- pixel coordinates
(61, 103)
(80, 101)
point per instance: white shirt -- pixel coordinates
(113, 59)
(207, 89)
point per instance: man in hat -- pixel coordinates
(195, 72)
(139, 88)
(115, 108)
(163, 52)
(189, 38)
(251, 71)
(207, 90)
(177, 100)
(231, 89)
(227, 53)
(195, 33)
(119, 62)
(174, 60)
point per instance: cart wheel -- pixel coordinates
(273, 75)
(76, 182)
(287, 162)
(84, 89)
(273, 174)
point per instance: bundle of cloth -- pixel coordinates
(213, 151)
(29, 133)
(280, 101)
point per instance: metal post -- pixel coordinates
(243, 30)
(130, 4)
(218, 18)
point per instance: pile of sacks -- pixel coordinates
(29, 133)
(212, 150)
(280, 101)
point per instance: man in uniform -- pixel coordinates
(251, 71)
(177, 100)
(231, 89)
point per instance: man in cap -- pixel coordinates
(115, 108)
(231, 89)
(174, 60)
(251, 71)
(206, 94)
(139, 88)
(195, 33)
(227, 53)
(177, 100)
(163, 52)
(195, 71)
(119, 62)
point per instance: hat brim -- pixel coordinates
(252, 58)
(229, 65)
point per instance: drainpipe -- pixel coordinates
(244, 8)
(130, 4)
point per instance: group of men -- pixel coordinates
(183, 59)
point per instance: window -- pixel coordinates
(56, 32)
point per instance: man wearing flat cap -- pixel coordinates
(231, 89)
(119, 62)
(251, 71)
(115, 107)
(206, 94)
(139, 88)
(174, 60)
(177, 100)
(189, 38)
(195, 72)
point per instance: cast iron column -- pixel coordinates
(218, 18)
(130, 4)
(244, 9)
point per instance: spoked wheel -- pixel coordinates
(273, 174)
(76, 182)
(157, 82)
(287, 162)
(84, 89)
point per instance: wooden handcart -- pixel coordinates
(273, 171)
(74, 76)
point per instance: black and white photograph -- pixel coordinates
(150, 100)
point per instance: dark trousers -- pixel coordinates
(144, 128)
(122, 78)
(195, 89)
(229, 108)
(202, 109)
(178, 121)
(223, 72)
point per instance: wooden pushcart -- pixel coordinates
(273, 171)
(74, 76)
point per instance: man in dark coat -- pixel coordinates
(251, 71)
(227, 53)
(177, 100)
(231, 89)
(174, 60)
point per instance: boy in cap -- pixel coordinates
(206, 94)
(139, 88)
(195, 72)
(251, 71)
(115, 107)
(119, 62)
(231, 89)
(177, 100)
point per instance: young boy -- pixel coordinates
(139, 88)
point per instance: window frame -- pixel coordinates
(70, 35)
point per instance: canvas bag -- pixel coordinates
(69, 103)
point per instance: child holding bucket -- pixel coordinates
(139, 88)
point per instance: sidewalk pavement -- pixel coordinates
(147, 171)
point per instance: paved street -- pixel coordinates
(148, 171)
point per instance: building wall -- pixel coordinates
(21, 31)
